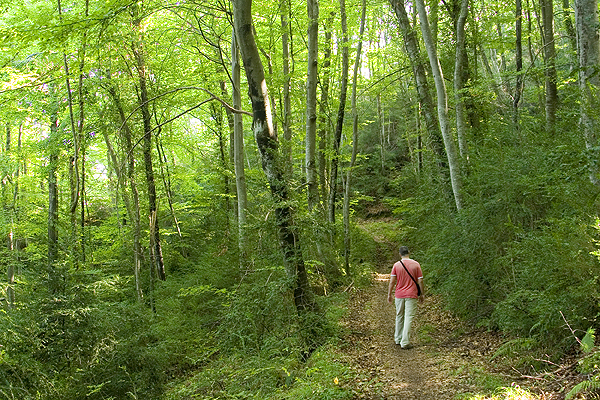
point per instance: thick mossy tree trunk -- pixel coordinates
(268, 147)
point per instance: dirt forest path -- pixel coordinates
(440, 365)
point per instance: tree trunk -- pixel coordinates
(494, 77)
(568, 25)
(324, 120)
(588, 52)
(459, 72)
(80, 135)
(311, 102)
(434, 10)
(166, 177)
(155, 248)
(74, 186)
(337, 138)
(381, 120)
(238, 147)
(549, 65)
(346, 209)
(135, 209)
(442, 101)
(74, 161)
(267, 143)
(287, 108)
(519, 64)
(411, 45)
(54, 284)
(10, 271)
(217, 117)
(8, 137)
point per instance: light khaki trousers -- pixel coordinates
(405, 312)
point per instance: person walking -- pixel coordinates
(406, 286)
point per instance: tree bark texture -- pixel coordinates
(287, 98)
(459, 73)
(311, 102)
(267, 143)
(81, 136)
(549, 64)
(74, 160)
(442, 105)
(337, 137)
(53, 278)
(346, 208)
(411, 45)
(518, 62)
(568, 25)
(10, 270)
(155, 248)
(129, 180)
(324, 119)
(588, 52)
(238, 146)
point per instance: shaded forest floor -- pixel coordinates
(450, 360)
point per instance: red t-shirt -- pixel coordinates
(405, 287)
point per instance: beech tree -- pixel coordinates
(266, 140)
(354, 107)
(238, 147)
(459, 71)
(138, 51)
(311, 102)
(442, 106)
(337, 137)
(551, 103)
(588, 52)
(53, 275)
(426, 102)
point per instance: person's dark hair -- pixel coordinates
(404, 251)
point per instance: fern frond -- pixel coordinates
(585, 386)
(588, 341)
(514, 346)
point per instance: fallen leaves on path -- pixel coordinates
(449, 358)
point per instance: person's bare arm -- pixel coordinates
(391, 289)
(422, 286)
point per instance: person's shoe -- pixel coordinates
(407, 347)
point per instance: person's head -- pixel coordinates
(403, 251)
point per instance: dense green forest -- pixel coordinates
(186, 185)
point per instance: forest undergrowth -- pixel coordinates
(453, 358)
